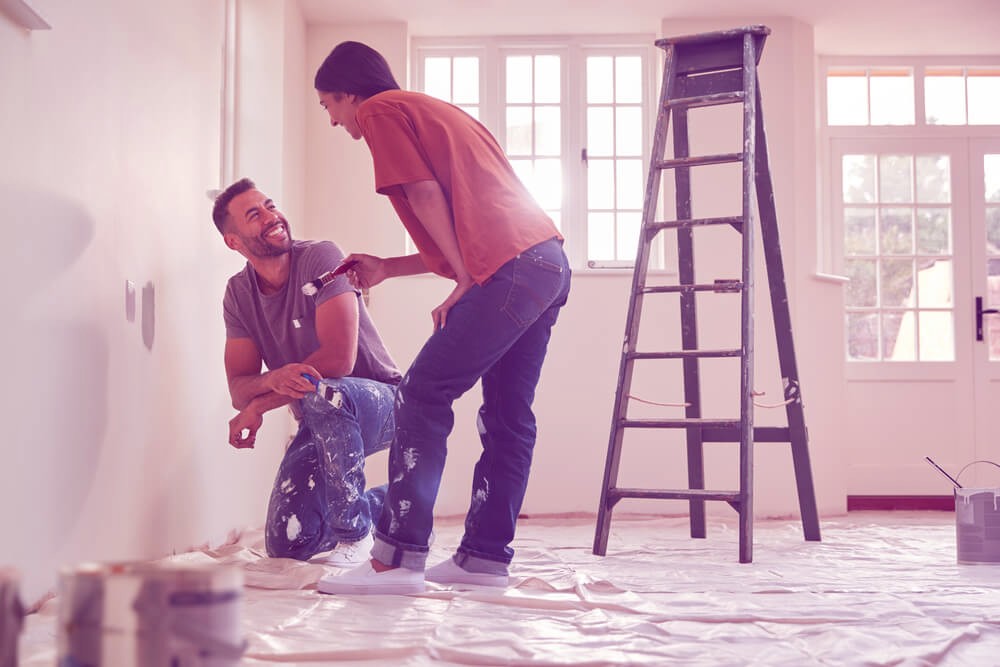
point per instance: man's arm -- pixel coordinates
(255, 393)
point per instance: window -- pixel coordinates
(897, 228)
(898, 132)
(573, 116)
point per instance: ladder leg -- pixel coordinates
(783, 332)
(746, 307)
(608, 487)
(689, 329)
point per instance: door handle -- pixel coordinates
(979, 316)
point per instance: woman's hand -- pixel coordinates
(367, 271)
(440, 314)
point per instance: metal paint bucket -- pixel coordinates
(977, 523)
(150, 615)
(11, 617)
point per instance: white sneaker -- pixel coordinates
(349, 554)
(450, 572)
(364, 580)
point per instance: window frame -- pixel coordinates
(872, 139)
(574, 49)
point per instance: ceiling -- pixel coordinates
(860, 27)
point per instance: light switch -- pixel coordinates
(130, 301)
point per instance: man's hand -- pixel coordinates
(440, 314)
(289, 381)
(247, 420)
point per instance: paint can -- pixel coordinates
(977, 523)
(11, 616)
(150, 615)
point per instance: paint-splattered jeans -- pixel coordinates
(319, 496)
(499, 332)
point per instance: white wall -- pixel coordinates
(576, 393)
(115, 439)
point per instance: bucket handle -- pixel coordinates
(959, 475)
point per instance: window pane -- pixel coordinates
(933, 179)
(846, 98)
(548, 133)
(600, 131)
(628, 79)
(934, 231)
(466, 84)
(628, 235)
(548, 183)
(896, 288)
(895, 178)
(631, 184)
(993, 229)
(600, 80)
(991, 169)
(628, 131)
(937, 336)
(472, 111)
(556, 216)
(984, 97)
(891, 97)
(992, 322)
(525, 170)
(437, 77)
(600, 184)
(859, 231)
(862, 336)
(601, 236)
(859, 179)
(519, 130)
(944, 97)
(896, 231)
(935, 284)
(547, 79)
(519, 79)
(898, 339)
(861, 290)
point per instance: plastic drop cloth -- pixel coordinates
(882, 588)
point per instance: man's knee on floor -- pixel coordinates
(289, 537)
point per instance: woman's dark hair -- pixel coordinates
(354, 68)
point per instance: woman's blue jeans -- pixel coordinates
(499, 332)
(319, 496)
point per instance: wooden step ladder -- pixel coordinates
(704, 70)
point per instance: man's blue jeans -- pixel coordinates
(319, 496)
(499, 332)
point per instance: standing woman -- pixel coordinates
(475, 223)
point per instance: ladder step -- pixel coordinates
(717, 286)
(669, 494)
(684, 354)
(733, 220)
(715, 430)
(709, 100)
(682, 423)
(722, 158)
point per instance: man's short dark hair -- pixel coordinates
(354, 68)
(220, 211)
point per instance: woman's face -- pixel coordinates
(343, 110)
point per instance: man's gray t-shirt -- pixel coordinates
(283, 325)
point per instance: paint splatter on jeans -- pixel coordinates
(497, 332)
(319, 496)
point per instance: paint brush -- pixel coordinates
(314, 286)
(941, 470)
